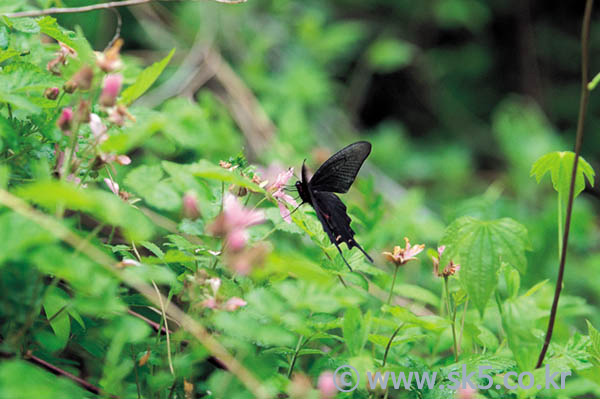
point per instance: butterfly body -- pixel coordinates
(336, 175)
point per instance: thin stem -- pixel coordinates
(585, 94)
(453, 315)
(393, 283)
(559, 223)
(389, 344)
(101, 6)
(135, 369)
(293, 362)
(462, 324)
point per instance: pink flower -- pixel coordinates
(51, 93)
(281, 180)
(450, 269)
(190, 206)
(401, 256)
(98, 129)
(326, 385)
(114, 186)
(234, 303)
(466, 393)
(281, 196)
(111, 89)
(65, 119)
(234, 221)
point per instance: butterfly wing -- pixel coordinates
(332, 214)
(338, 173)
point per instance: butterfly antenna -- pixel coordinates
(364, 252)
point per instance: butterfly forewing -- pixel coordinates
(338, 173)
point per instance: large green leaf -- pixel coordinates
(356, 329)
(560, 166)
(480, 247)
(147, 182)
(104, 205)
(145, 80)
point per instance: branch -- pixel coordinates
(94, 7)
(585, 94)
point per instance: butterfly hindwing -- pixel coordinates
(332, 214)
(338, 173)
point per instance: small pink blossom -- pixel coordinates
(234, 303)
(65, 119)
(326, 385)
(111, 89)
(234, 221)
(119, 114)
(280, 195)
(110, 60)
(112, 185)
(210, 303)
(467, 393)
(51, 93)
(281, 180)
(401, 256)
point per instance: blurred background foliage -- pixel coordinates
(458, 97)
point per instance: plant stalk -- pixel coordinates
(583, 103)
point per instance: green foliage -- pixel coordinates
(481, 247)
(560, 166)
(176, 193)
(145, 80)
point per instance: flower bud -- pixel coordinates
(83, 78)
(51, 93)
(83, 111)
(111, 89)
(65, 119)
(190, 206)
(70, 86)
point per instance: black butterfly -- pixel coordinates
(336, 175)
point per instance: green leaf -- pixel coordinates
(207, 170)
(56, 300)
(29, 236)
(560, 166)
(27, 25)
(146, 182)
(594, 349)
(21, 380)
(433, 323)
(145, 80)
(104, 205)
(356, 329)
(50, 27)
(8, 53)
(480, 247)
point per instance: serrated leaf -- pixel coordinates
(595, 341)
(560, 166)
(152, 247)
(355, 329)
(145, 80)
(27, 25)
(480, 247)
